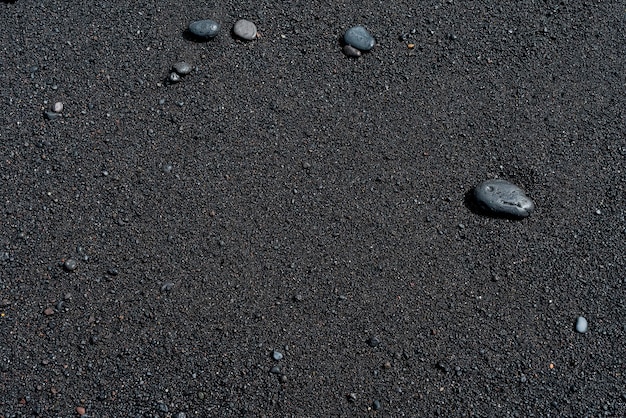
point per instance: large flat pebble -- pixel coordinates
(500, 197)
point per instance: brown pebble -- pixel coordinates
(387, 365)
(48, 311)
(80, 410)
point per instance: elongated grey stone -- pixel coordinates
(204, 29)
(360, 38)
(503, 198)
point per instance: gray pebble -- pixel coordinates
(51, 115)
(174, 77)
(275, 370)
(167, 286)
(351, 51)
(182, 68)
(57, 107)
(503, 198)
(277, 356)
(245, 30)
(360, 38)
(70, 264)
(376, 405)
(581, 325)
(373, 342)
(204, 29)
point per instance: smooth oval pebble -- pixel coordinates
(182, 68)
(245, 30)
(57, 107)
(503, 198)
(360, 38)
(276, 355)
(581, 325)
(351, 51)
(204, 29)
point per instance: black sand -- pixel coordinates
(314, 201)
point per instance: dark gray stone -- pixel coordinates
(359, 38)
(182, 68)
(503, 198)
(204, 29)
(70, 264)
(351, 51)
(244, 29)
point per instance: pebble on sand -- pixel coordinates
(581, 325)
(204, 29)
(503, 198)
(244, 29)
(360, 38)
(351, 51)
(182, 68)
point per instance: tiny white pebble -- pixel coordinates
(57, 107)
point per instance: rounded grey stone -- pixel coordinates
(503, 198)
(245, 30)
(70, 264)
(581, 325)
(57, 107)
(276, 355)
(204, 29)
(360, 38)
(182, 68)
(351, 51)
(174, 77)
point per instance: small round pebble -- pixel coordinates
(373, 342)
(174, 77)
(182, 68)
(581, 325)
(70, 264)
(360, 38)
(244, 29)
(167, 286)
(376, 405)
(57, 107)
(277, 355)
(503, 198)
(351, 51)
(204, 29)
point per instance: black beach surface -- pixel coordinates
(289, 231)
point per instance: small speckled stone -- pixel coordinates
(360, 38)
(182, 68)
(244, 29)
(503, 198)
(351, 51)
(204, 29)
(581, 325)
